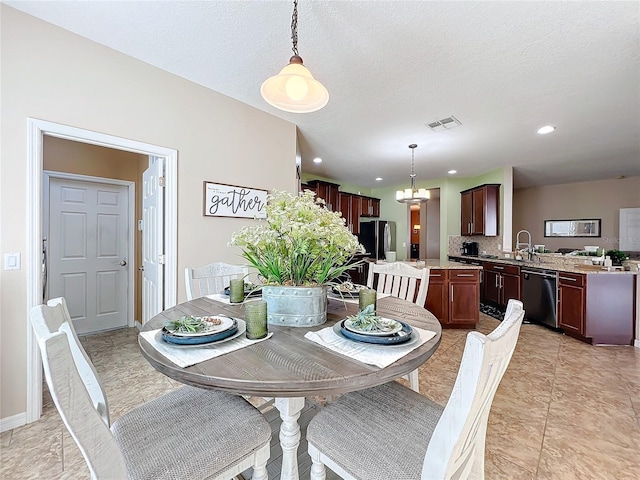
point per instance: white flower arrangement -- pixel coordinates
(300, 243)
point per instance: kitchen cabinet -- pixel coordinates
(501, 283)
(479, 210)
(571, 302)
(370, 207)
(351, 209)
(359, 273)
(454, 297)
(326, 191)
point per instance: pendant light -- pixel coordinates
(294, 89)
(412, 194)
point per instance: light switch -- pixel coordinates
(12, 261)
(404, 244)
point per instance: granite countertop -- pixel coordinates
(575, 265)
(445, 264)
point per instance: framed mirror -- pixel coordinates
(572, 228)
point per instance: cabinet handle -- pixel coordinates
(435, 275)
(465, 275)
(568, 278)
(451, 293)
(495, 267)
(501, 282)
(481, 276)
(497, 280)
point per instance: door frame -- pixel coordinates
(131, 214)
(36, 130)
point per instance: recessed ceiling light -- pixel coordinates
(317, 160)
(378, 179)
(546, 129)
(451, 172)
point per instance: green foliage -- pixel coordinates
(186, 324)
(616, 256)
(367, 320)
(300, 243)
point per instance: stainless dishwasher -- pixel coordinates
(539, 295)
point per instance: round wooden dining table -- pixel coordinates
(289, 367)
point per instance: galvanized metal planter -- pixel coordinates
(295, 306)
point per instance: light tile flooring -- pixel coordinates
(564, 410)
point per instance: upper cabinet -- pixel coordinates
(479, 208)
(350, 205)
(326, 191)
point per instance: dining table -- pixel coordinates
(288, 366)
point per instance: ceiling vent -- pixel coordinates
(444, 124)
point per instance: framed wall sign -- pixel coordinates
(572, 228)
(222, 200)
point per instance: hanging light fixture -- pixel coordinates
(294, 89)
(413, 194)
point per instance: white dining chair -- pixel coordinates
(401, 280)
(188, 433)
(391, 432)
(212, 278)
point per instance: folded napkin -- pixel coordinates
(219, 297)
(379, 355)
(356, 300)
(185, 357)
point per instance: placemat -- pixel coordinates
(185, 357)
(379, 355)
(219, 297)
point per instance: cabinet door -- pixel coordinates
(464, 302)
(356, 211)
(510, 288)
(492, 286)
(571, 308)
(477, 215)
(466, 208)
(344, 200)
(437, 295)
(375, 207)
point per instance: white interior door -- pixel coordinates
(88, 252)
(629, 229)
(152, 239)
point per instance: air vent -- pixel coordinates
(444, 124)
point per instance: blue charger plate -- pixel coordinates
(402, 336)
(169, 337)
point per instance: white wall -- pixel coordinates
(54, 75)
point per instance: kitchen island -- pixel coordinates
(594, 304)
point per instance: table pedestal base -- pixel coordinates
(289, 409)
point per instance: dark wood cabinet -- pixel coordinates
(501, 283)
(326, 191)
(479, 210)
(571, 302)
(350, 208)
(454, 297)
(370, 207)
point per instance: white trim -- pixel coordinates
(131, 221)
(636, 343)
(12, 422)
(36, 129)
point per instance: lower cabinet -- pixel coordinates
(501, 283)
(571, 302)
(454, 297)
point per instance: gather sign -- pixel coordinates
(221, 200)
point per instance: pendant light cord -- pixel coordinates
(294, 27)
(413, 171)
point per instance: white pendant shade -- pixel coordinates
(413, 194)
(294, 89)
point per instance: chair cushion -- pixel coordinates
(189, 433)
(366, 432)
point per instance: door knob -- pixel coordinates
(141, 269)
(123, 263)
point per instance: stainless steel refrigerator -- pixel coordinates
(378, 237)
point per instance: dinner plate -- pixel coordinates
(406, 336)
(227, 323)
(395, 327)
(231, 334)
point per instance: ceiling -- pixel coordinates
(504, 69)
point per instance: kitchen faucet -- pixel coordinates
(520, 245)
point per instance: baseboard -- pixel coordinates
(636, 343)
(137, 324)
(12, 422)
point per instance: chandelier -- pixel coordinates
(294, 89)
(413, 194)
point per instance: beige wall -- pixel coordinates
(51, 74)
(62, 155)
(600, 199)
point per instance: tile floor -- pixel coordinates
(564, 410)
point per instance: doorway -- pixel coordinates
(38, 129)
